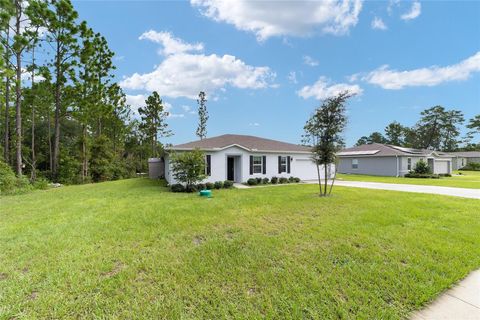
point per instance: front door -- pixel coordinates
(231, 168)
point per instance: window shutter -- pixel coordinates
(279, 164)
(264, 162)
(288, 164)
(251, 164)
(209, 167)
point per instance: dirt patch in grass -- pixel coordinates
(116, 269)
(3, 276)
(198, 240)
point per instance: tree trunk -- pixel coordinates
(84, 153)
(56, 140)
(18, 102)
(326, 179)
(333, 181)
(33, 175)
(49, 122)
(6, 146)
(319, 179)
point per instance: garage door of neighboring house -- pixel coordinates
(441, 167)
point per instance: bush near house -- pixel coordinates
(274, 180)
(283, 180)
(218, 184)
(227, 184)
(265, 180)
(209, 186)
(472, 166)
(422, 175)
(252, 182)
(421, 167)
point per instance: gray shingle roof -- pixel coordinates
(467, 154)
(383, 150)
(251, 143)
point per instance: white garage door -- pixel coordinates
(441, 167)
(306, 169)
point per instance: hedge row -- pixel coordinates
(422, 175)
(202, 186)
(274, 180)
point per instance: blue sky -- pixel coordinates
(266, 65)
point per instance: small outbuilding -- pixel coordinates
(388, 160)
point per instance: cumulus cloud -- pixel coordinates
(378, 24)
(324, 88)
(170, 44)
(183, 74)
(431, 76)
(309, 61)
(414, 12)
(284, 18)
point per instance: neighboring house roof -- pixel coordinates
(384, 150)
(249, 143)
(466, 154)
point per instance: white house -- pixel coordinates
(240, 157)
(388, 160)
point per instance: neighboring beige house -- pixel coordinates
(240, 157)
(460, 159)
(387, 160)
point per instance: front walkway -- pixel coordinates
(447, 191)
(460, 303)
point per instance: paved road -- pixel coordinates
(448, 191)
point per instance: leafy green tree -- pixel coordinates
(188, 167)
(154, 123)
(374, 137)
(474, 124)
(102, 158)
(362, 140)
(421, 167)
(395, 134)
(202, 116)
(451, 121)
(323, 131)
(58, 18)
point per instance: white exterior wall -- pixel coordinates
(300, 166)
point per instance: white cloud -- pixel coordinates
(183, 74)
(254, 124)
(378, 24)
(137, 101)
(171, 45)
(323, 89)
(414, 12)
(292, 77)
(284, 18)
(188, 109)
(309, 61)
(431, 76)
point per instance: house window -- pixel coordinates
(409, 164)
(354, 163)
(257, 164)
(283, 164)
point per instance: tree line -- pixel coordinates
(64, 118)
(437, 128)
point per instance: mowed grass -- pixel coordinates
(468, 179)
(130, 249)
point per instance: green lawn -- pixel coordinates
(468, 179)
(129, 249)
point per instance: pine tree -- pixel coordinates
(202, 116)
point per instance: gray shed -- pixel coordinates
(156, 168)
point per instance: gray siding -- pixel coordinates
(378, 166)
(469, 160)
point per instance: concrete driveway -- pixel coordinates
(447, 191)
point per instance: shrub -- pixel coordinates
(296, 179)
(218, 184)
(8, 181)
(209, 186)
(252, 182)
(472, 166)
(227, 184)
(191, 188)
(188, 167)
(259, 180)
(201, 186)
(282, 180)
(177, 187)
(291, 180)
(421, 167)
(445, 175)
(41, 184)
(265, 180)
(422, 175)
(274, 180)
